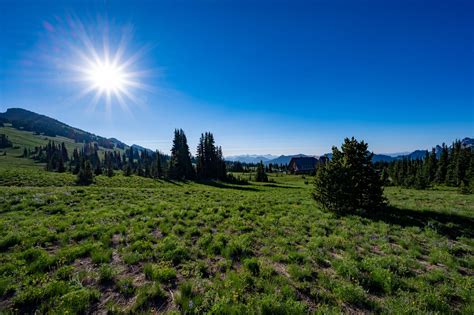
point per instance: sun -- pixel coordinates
(105, 66)
(110, 77)
(106, 77)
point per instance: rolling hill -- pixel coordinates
(22, 119)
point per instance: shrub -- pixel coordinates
(101, 255)
(132, 258)
(78, 302)
(125, 286)
(464, 189)
(273, 305)
(159, 273)
(187, 299)
(252, 265)
(238, 248)
(173, 250)
(9, 241)
(349, 181)
(148, 294)
(106, 274)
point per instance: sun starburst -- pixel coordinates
(111, 78)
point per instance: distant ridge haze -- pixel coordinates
(386, 157)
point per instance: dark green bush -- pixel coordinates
(349, 181)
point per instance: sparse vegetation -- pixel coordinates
(193, 247)
(136, 244)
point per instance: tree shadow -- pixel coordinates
(280, 186)
(174, 182)
(225, 186)
(448, 224)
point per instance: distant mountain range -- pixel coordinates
(266, 159)
(250, 158)
(285, 159)
(43, 125)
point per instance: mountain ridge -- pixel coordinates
(23, 119)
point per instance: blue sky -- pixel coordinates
(278, 77)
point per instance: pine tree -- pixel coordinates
(109, 165)
(98, 169)
(61, 167)
(462, 170)
(75, 164)
(210, 162)
(349, 181)
(64, 153)
(127, 171)
(261, 176)
(470, 171)
(180, 166)
(442, 165)
(452, 174)
(220, 164)
(159, 167)
(5, 142)
(85, 175)
(421, 179)
(430, 165)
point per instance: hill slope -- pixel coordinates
(39, 124)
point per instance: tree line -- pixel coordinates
(452, 166)
(242, 167)
(5, 142)
(86, 162)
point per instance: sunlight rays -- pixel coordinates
(109, 74)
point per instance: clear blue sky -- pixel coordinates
(277, 77)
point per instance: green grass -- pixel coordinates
(130, 244)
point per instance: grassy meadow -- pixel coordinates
(136, 245)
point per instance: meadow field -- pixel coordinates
(137, 245)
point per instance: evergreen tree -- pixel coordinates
(64, 153)
(421, 179)
(180, 166)
(221, 172)
(85, 175)
(442, 165)
(470, 172)
(430, 166)
(261, 176)
(237, 167)
(75, 164)
(462, 167)
(159, 167)
(127, 171)
(108, 164)
(349, 181)
(98, 169)
(210, 162)
(61, 167)
(5, 142)
(451, 169)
